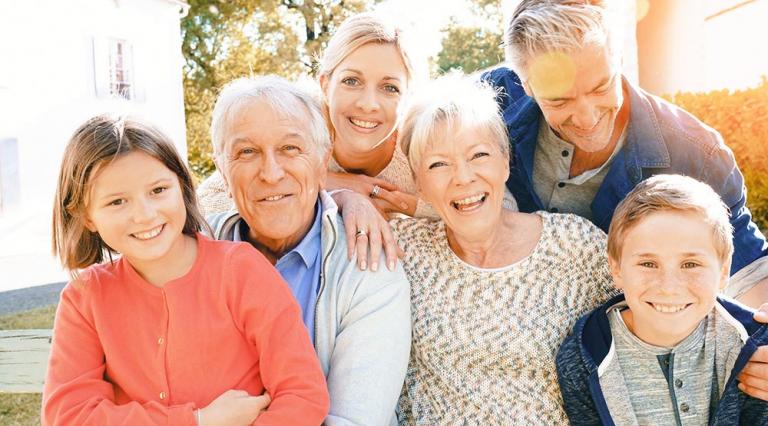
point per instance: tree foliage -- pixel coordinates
(741, 117)
(226, 39)
(473, 47)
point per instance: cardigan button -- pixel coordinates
(162, 395)
(678, 383)
(564, 153)
(684, 407)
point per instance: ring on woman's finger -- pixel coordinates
(375, 191)
(360, 233)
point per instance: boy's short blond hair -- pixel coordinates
(672, 193)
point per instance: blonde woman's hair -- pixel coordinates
(672, 193)
(447, 103)
(364, 28)
(98, 142)
(543, 26)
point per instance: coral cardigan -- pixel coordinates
(127, 352)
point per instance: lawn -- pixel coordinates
(24, 408)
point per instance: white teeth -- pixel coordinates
(275, 197)
(470, 200)
(152, 233)
(668, 309)
(363, 124)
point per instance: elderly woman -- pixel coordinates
(493, 291)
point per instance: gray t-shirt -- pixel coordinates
(652, 385)
(551, 169)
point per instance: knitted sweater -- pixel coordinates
(484, 340)
(127, 352)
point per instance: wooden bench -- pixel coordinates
(24, 360)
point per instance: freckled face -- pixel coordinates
(363, 95)
(670, 273)
(274, 173)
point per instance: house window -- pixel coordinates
(120, 69)
(113, 68)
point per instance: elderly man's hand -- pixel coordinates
(754, 377)
(366, 227)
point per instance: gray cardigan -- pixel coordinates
(362, 326)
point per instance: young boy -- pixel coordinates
(667, 351)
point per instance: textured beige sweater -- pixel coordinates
(484, 341)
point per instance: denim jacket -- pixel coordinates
(661, 139)
(590, 345)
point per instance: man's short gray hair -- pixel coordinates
(449, 101)
(287, 99)
(541, 26)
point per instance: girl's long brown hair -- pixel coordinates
(99, 141)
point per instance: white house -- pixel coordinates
(62, 62)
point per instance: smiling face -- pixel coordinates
(137, 208)
(363, 95)
(670, 272)
(274, 173)
(580, 95)
(462, 174)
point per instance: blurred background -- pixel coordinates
(62, 62)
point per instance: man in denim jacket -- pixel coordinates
(600, 134)
(583, 137)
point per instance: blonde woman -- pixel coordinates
(364, 74)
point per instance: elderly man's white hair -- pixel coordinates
(287, 99)
(449, 101)
(541, 26)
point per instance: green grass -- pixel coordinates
(24, 408)
(20, 408)
(35, 318)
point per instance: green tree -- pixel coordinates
(226, 39)
(473, 47)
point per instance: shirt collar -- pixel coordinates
(307, 248)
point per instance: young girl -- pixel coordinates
(180, 329)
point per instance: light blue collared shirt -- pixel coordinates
(300, 268)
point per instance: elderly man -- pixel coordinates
(583, 136)
(271, 145)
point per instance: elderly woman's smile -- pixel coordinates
(470, 203)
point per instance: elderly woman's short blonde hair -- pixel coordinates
(672, 193)
(447, 103)
(364, 28)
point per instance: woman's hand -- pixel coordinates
(388, 198)
(386, 207)
(234, 407)
(365, 226)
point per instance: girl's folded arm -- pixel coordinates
(271, 320)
